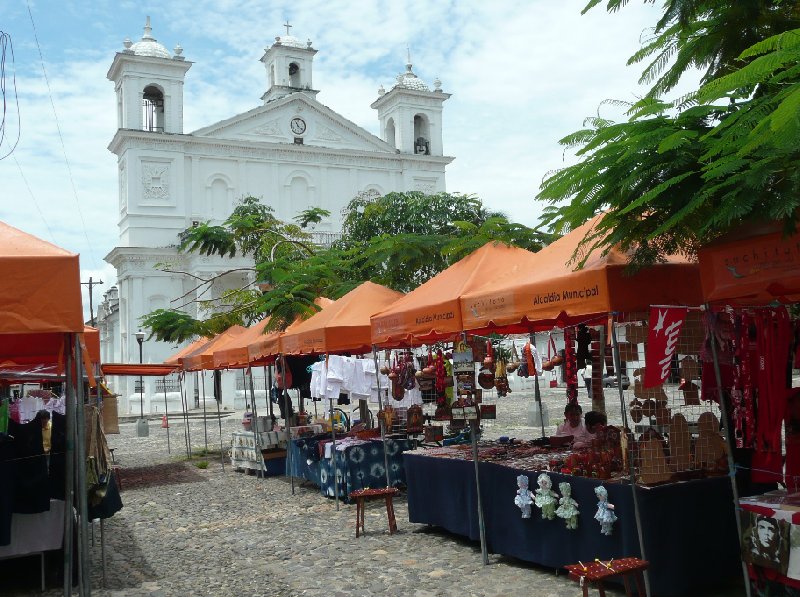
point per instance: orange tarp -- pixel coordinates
(235, 355)
(550, 290)
(268, 346)
(203, 358)
(343, 326)
(92, 338)
(152, 370)
(41, 285)
(186, 350)
(432, 311)
(757, 270)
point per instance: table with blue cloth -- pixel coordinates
(361, 466)
(689, 528)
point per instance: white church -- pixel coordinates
(291, 151)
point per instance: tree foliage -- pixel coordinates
(671, 181)
(399, 240)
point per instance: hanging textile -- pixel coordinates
(773, 343)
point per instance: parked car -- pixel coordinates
(610, 381)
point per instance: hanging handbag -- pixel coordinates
(553, 358)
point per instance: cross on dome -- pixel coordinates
(288, 26)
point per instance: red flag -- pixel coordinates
(662, 341)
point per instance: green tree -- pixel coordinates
(399, 240)
(679, 173)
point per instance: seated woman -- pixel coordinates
(572, 424)
(595, 422)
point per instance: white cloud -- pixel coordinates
(522, 75)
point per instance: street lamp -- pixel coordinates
(142, 429)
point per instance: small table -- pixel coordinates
(598, 571)
(360, 496)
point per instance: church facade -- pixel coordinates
(291, 151)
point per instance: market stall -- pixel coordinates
(344, 328)
(748, 279)
(41, 322)
(594, 306)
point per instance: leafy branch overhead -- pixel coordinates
(399, 240)
(679, 173)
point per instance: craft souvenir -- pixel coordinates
(488, 361)
(524, 496)
(546, 498)
(513, 364)
(568, 507)
(605, 511)
(486, 379)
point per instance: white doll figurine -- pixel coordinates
(546, 498)
(568, 507)
(523, 497)
(605, 511)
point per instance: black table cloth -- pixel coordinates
(689, 528)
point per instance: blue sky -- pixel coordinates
(522, 74)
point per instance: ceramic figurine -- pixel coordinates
(568, 507)
(524, 496)
(546, 498)
(605, 511)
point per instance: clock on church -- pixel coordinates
(298, 126)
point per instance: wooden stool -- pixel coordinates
(596, 572)
(364, 495)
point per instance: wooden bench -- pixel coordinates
(596, 572)
(361, 496)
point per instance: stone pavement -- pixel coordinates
(191, 531)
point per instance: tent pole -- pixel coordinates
(85, 579)
(186, 435)
(205, 420)
(268, 389)
(538, 398)
(637, 514)
(474, 431)
(166, 413)
(254, 423)
(381, 422)
(219, 421)
(723, 407)
(333, 458)
(285, 396)
(537, 393)
(69, 461)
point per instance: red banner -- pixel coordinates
(662, 341)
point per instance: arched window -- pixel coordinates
(390, 133)
(294, 75)
(153, 109)
(422, 135)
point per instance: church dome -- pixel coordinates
(291, 41)
(148, 46)
(408, 80)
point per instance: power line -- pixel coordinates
(61, 138)
(35, 202)
(5, 43)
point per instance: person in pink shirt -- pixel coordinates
(573, 426)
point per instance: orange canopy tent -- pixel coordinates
(175, 359)
(433, 311)
(550, 291)
(41, 289)
(268, 346)
(40, 300)
(146, 369)
(203, 357)
(234, 355)
(756, 265)
(343, 326)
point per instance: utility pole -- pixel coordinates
(91, 284)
